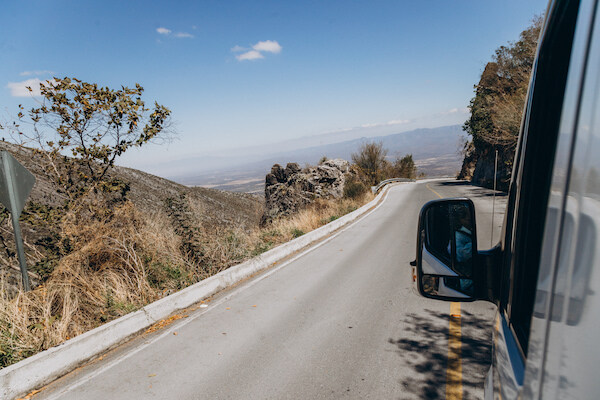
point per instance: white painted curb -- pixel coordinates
(44, 367)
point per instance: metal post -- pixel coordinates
(15, 221)
(494, 199)
(21, 252)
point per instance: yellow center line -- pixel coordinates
(454, 370)
(438, 195)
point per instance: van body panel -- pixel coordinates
(510, 363)
(517, 371)
(559, 224)
(572, 351)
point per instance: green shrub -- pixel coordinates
(353, 189)
(261, 248)
(297, 232)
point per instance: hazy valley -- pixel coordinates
(436, 152)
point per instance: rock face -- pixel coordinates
(289, 189)
(478, 167)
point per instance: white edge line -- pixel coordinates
(183, 323)
(22, 377)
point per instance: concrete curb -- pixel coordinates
(44, 367)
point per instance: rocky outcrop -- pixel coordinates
(468, 165)
(478, 167)
(290, 189)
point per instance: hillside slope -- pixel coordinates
(156, 198)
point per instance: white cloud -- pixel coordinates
(455, 111)
(179, 35)
(389, 123)
(38, 72)
(398, 122)
(249, 55)
(265, 46)
(270, 46)
(19, 89)
(370, 125)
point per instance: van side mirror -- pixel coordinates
(447, 251)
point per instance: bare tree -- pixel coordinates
(371, 162)
(78, 129)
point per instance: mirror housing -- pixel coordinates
(448, 265)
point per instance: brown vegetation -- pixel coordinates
(317, 214)
(497, 109)
(371, 165)
(370, 161)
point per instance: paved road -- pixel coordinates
(341, 321)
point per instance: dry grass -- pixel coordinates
(119, 264)
(317, 214)
(116, 266)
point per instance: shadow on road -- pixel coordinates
(476, 191)
(424, 347)
(455, 183)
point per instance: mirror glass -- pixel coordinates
(448, 249)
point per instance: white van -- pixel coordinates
(544, 275)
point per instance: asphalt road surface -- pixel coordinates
(342, 320)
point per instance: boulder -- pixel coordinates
(289, 189)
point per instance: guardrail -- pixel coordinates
(381, 184)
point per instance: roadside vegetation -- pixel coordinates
(370, 165)
(317, 214)
(97, 251)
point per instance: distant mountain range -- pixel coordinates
(436, 152)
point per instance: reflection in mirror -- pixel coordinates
(462, 227)
(449, 235)
(437, 223)
(447, 286)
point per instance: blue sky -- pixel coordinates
(244, 73)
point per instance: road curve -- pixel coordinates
(340, 321)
